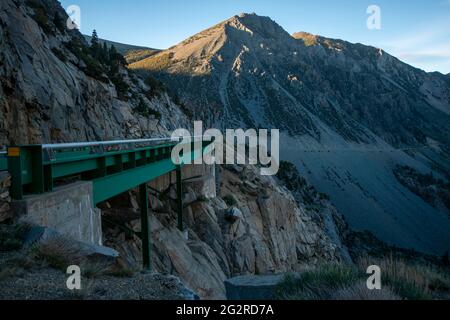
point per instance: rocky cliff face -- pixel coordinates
(349, 114)
(46, 94)
(253, 227)
(5, 199)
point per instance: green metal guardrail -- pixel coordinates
(35, 168)
(3, 161)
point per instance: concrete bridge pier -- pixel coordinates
(68, 209)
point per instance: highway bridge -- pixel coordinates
(113, 167)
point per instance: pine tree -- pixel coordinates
(95, 45)
(94, 38)
(104, 57)
(112, 54)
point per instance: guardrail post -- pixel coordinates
(15, 170)
(145, 228)
(180, 199)
(48, 178)
(37, 168)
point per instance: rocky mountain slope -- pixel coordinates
(54, 89)
(48, 92)
(349, 114)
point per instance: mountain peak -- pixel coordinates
(245, 14)
(256, 24)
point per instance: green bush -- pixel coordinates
(230, 200)
(144, 110)
(156, 87)
(122, 87)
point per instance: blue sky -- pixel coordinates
(416, 31)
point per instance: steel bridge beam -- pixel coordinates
(145, 226)
(34, 169)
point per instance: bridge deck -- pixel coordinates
(112, 168)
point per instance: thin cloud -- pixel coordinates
(427, 48)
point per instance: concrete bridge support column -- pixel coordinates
(68, 209)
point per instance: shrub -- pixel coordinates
(12, 236)
(230, 200)
(122, 87)
(156, 87)
(57, 253)
(144, 110)
(59, 22)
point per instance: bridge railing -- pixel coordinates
(113, 166)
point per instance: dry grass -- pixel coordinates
(94, 269)
(133, 56)
(308, 39)
(120, 272)
(58, 253)
(9, 272)
(85, 291)
(410, 281)
(16, 265)
(359, 291)
(318, 283)
(157, 62)
(400, 280)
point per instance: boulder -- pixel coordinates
(233, 214)
(204, 186)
